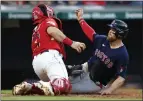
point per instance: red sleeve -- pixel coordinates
(87, 29)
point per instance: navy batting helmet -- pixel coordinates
(120, 27)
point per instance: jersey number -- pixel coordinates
(36, 38)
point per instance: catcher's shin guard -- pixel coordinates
(61, 86)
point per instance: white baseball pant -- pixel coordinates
(49, 65)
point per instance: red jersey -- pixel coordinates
(42, 41)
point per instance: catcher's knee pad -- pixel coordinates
(61, 86)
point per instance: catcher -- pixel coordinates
(48, 50)
(106, 70)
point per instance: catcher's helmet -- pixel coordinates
(120, 27)
(41, 12)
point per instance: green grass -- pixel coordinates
(6, 92)
(11, 97)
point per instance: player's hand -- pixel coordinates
(79, 13)
(105, 92)
(78, 46)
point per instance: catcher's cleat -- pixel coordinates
(21, 89)
(45, 87)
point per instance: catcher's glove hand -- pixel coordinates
(74, 70)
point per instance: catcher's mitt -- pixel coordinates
(74, 70)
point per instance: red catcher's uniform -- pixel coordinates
(47, 52)
(41, 41)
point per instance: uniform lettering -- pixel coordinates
(96, 51)
(36, 36)
(110, 65)
(107, 61)
(37, 28)
(104, 58)
(98, 54)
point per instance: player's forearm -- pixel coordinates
(86, 29)
(59, 36)
(110, 83)
(117, 83)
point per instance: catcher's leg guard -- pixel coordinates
(57, 87)
(61, 86)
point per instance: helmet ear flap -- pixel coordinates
(119, 36)
(122, 34)
(126, 33)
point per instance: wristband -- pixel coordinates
(67, 41)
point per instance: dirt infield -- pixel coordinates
(124, 93)
(121, 93)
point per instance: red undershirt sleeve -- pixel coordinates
(87, 29)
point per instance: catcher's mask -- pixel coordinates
(41, 12)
